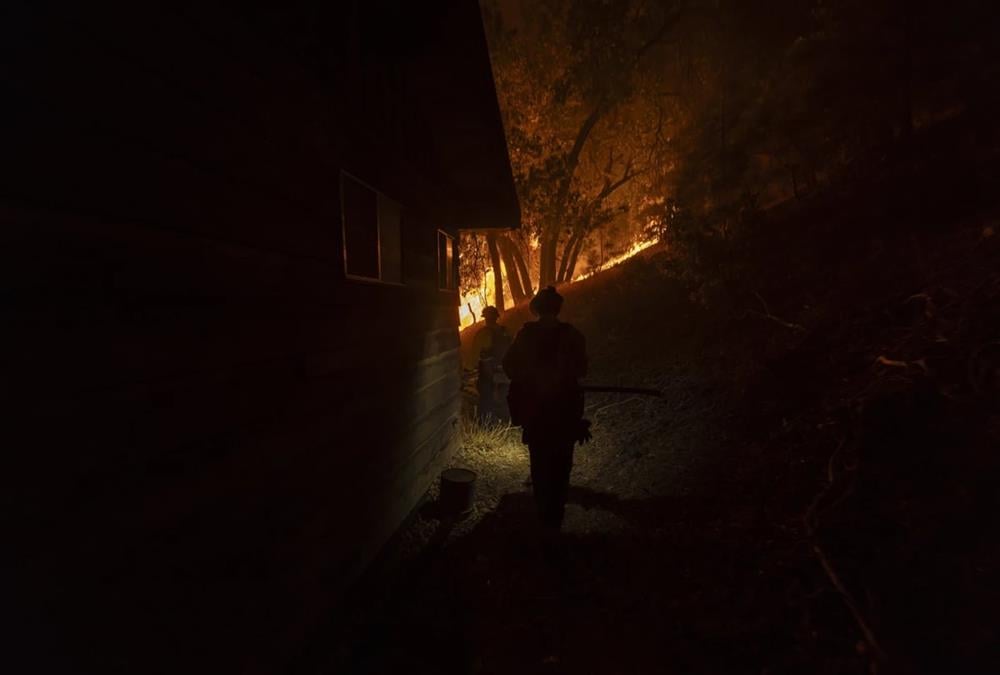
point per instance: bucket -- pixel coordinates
(458, 490)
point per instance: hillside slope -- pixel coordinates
(814, 493)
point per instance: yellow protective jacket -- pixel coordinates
(491, 340)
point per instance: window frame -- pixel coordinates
(453, 268)
(378, 233)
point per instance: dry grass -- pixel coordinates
(487, 436)
(495, 452)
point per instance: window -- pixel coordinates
(390, 241)
(446, 262)
(372, 236)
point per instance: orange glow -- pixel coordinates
(634, 249)
(483, 296)
(477, 299)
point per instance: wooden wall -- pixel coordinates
(210, 430)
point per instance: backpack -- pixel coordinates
(525, 396)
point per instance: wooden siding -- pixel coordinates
(211, 430)
(244, 452)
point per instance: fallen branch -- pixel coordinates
(859, 617)
(767, 315)
(810, 520)
(612, 405)
(893, 363)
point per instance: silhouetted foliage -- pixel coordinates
(632, 110)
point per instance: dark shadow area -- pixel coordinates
(235, 253)
(674, 589)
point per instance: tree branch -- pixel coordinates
(610, 187)
(767, 315)
(811, 522)
(671, 20)
(573, 158)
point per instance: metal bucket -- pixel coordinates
(458, 490)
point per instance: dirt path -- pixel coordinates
(672, 562)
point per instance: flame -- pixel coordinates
(634, 249)
(477, 300)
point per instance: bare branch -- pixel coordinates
(767, 315)
(611, 161)
(671, 20)
(581, 137)
(811, 521)
(610, 187)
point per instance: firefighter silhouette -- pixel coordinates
(489, 345)
(545, 363)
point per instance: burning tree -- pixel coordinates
(585, 118)
(683, 119)
(475, 273)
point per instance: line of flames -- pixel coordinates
(633, 250)
(472, 305)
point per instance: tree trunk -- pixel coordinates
(571, 269)
(522, 268)
(547, 260)
(491, 243)
(513, 276)
(567, 254)
(550, 232)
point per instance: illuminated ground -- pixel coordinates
(686, 549)
(667, 553)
